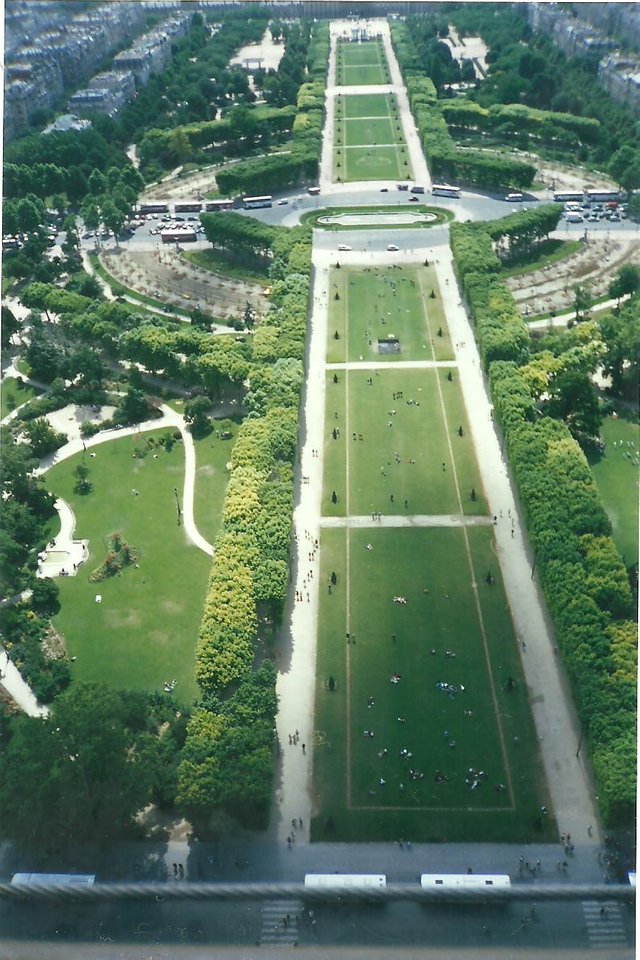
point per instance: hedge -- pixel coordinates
(582, 575)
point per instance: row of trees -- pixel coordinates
(446, 160)
(544, 125)
(228, 755)
(584, 580)
(283, 170)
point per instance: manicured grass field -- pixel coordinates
(434, 570)
(617, 477)
(371, 163)
(366, 105)
(369, 145)
(13, 393)
(361, 64)
(376, 130)
(388, 301)
(367, 471)
(144, 631)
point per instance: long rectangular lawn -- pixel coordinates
(415, 759)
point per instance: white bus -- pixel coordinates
(345, 881)
(253, 203)
(468, 881)
(41, 879)
(444, 190)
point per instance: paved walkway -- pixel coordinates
(375, 521)
(391, 364)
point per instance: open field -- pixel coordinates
(617, 477)
(366, 105)
(392, 301)
(368, 140)
(361, 63)
(362, 784)
(398, 469)
(144, 631)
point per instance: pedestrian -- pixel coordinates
(304, 748)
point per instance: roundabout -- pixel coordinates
(370, 218)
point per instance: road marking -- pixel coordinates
(280, 922)
(604, 929)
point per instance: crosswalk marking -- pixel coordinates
(604, 923)
(280, 922)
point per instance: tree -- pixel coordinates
(582, 301)
(112, 217)
(621, 336)
(627, 280)
(133, 407)
(42, 437)
(195, 414)
(9, 324)
(90, 779)
(82, 485)
(45, 597)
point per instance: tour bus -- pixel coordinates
(178, 235)
(345, 881)
(187, 206)
(146, 208)
(41, 879)
(314, 191)
(214, 205)
(444, 190)
(459, 883)
(564, 196)
(253, 203)
(604, 196)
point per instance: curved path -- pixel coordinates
(169, 418)
(67, 547)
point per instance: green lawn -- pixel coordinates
(390, 301)
(13, 393)
(367, 105)
(144, 631)
(376, 465)
(371, 163)
(368, 139)
(432, 569)
(617, 477)
(361, 64)
(372, 130)
(364, 75)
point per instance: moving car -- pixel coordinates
(343, 246)
(392, 246)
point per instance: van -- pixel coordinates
(417, 189)
(514, 197)
(572, 216)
